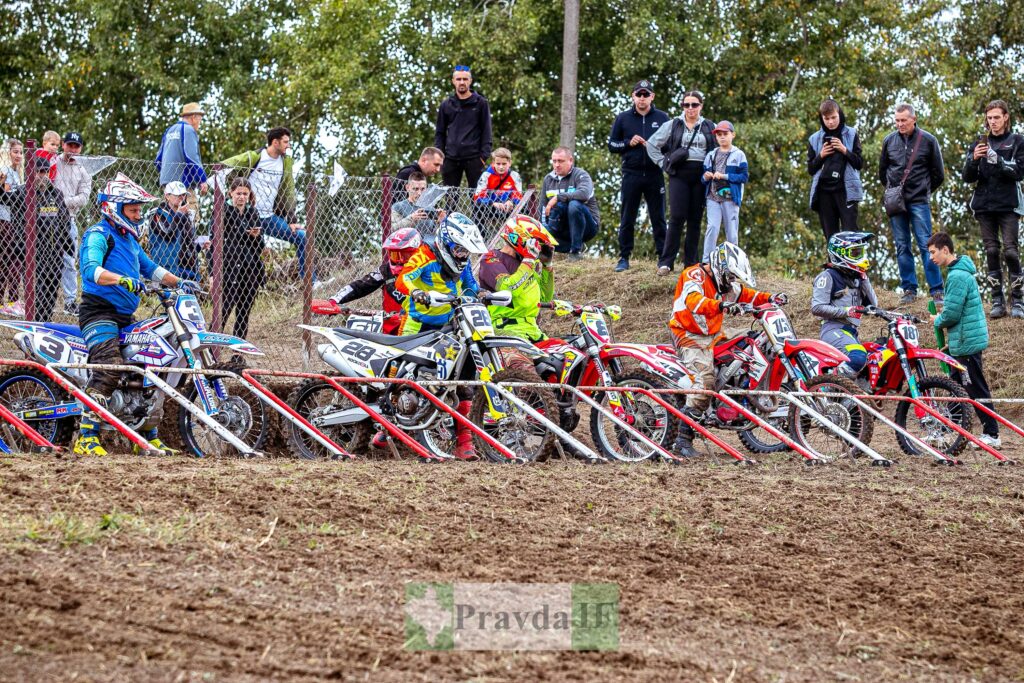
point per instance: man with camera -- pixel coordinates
(834, 161)
(995, 164)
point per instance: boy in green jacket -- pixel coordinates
(963, 318)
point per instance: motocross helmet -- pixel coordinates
(729, 266)
(526, 236)
(400, 246)
(848, 250)
(457, 238)
(118, 193)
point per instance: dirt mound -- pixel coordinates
(179, 569)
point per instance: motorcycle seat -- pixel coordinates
(66, 329)
(405, 342)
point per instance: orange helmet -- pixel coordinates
(527, 236)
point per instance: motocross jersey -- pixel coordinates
(119, 252)
(834, 291)
(500, 272)
(696, 311)
(424, 271)
(381, 278)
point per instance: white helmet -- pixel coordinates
(117, 193)
(457, 238)
(730, 265)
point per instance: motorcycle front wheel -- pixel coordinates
(240, 412)
(841, 412)
(525, 436)
(926, 427)
(643, 413)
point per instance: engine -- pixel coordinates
(131, 405)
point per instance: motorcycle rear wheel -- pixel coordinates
(315, 398)
(757, 440)
(27, 389)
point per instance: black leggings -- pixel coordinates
(686, 203)
(240, 298)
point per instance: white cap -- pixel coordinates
(175, 187)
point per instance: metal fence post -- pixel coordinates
(29, 164)
(531, 204)
(217, 251)
(307, 277)
(387, 199)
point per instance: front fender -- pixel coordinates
(921, 353)
(515, 343)
(234, 343)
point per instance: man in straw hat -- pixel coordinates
(178, 158)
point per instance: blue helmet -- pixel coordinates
(457, 238)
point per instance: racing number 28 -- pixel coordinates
(357, 350)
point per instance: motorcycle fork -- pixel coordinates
(497, 406)
(207, 394)
(615, 398)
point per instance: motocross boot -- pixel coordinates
(684, 440)
(464, 448)
(995, 280)
(88, 442)
(89, 445)
(154, 440)
(1017, 295)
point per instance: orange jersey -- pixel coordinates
(697, 306)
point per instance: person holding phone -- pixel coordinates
(834, 161)
(243, 249)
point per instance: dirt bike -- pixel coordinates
(177, 339)
(466, 349)
(770, 357)
(593, 358)
(355, 318)
(896, 358)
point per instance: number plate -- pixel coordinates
(190, 313)
(908, 331)
(479, 319)
(365, 323)
(596, 326)
(777, 325)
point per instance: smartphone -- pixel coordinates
(984, 138)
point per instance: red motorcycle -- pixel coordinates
(771, 358)
(592, 358)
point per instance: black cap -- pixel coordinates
(76, 138)
(42, 163)
(643, 85)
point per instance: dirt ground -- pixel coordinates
(179, 570)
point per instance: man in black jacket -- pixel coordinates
(995, 163)
(463, 131)
(924, 177)
(641, 177)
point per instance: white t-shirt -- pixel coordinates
(265, 179)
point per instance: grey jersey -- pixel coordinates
(834, 291)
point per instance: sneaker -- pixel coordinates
(990, 441)
(71, 308)
(158, 444)
(908, 298)
(18, 309)
(622, 265)
(575, 256)
(89, 445)
(664, 270)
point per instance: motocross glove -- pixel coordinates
(420, 296)
(189, 286)
(780, 299)
(133, 285)
(854, 312)
(730, 307)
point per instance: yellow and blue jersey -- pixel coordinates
(423, 271)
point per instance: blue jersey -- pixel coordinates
(105, 246)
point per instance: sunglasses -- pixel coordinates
(461, 67)
(642, 93)
(691, 105)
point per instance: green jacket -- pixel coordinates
(963, 315)
(284, 203)
(529, 285)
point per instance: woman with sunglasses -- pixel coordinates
(680, 149)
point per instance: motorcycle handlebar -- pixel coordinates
(890, 315)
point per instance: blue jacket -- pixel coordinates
(963, 315)
(178, 157)
(627, 124)
(103, 245)
(735, 169)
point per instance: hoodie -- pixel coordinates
(963, 315)
(463, 128)
(837, 172)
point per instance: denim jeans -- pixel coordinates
(918, 217)
(275, 226)
(572, 225)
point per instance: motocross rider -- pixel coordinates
(703, 294)
(840, 293)
(399, 248)
(443, 268)
(522, 266)
(112, 263)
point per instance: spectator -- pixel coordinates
(172, 234)
(834, 161)
(50, 149)
(911, 159)
(243, 247)
(463, 131)
(571, 213)
(725, 173)
(70, 177)
(53, 237)
(269, 172)
(498, 191)
(12, 175)
(641, 175)
(178, 158)
(429, 164)
(680, 150)
(995, 164)
(963, 317)
(405, 214)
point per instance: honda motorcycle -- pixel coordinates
(176, 339)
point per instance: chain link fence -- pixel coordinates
(262, 245)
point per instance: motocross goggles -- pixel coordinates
(854, 256)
